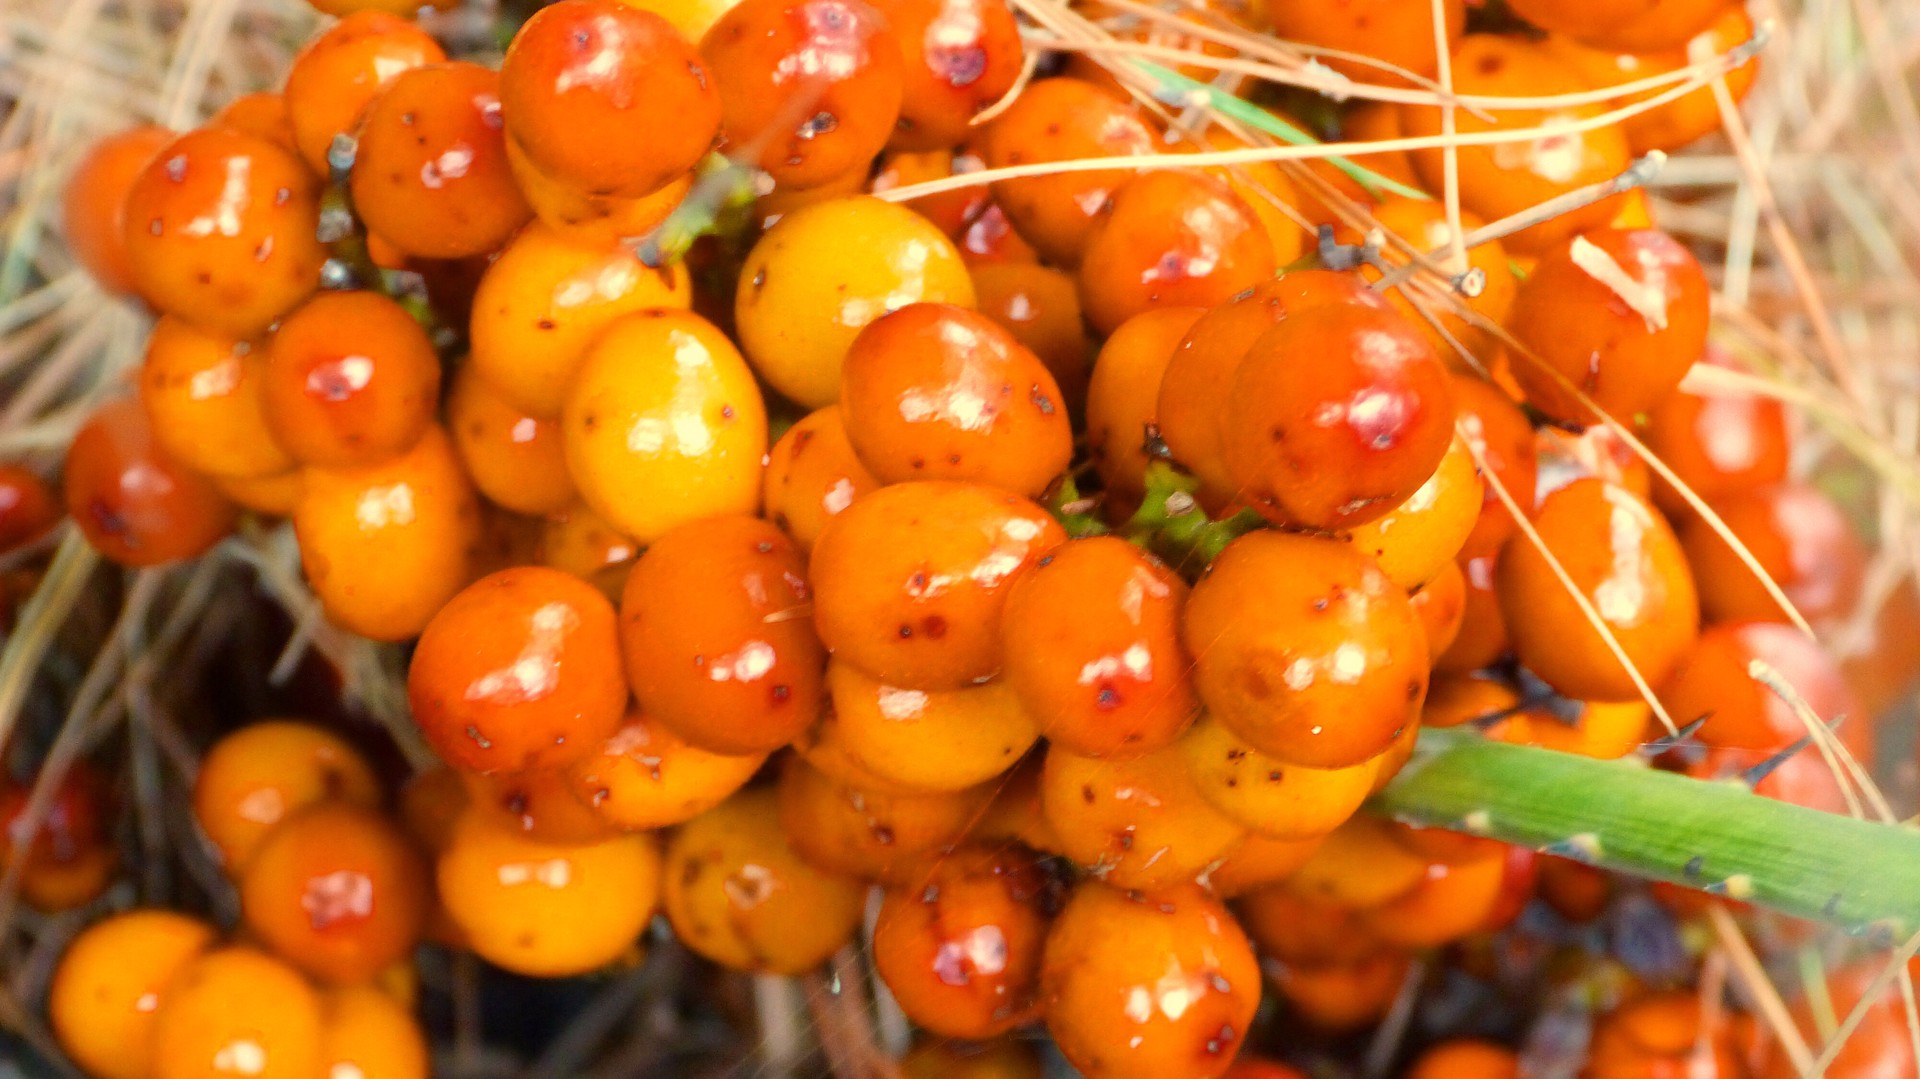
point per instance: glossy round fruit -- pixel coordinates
(205, 396)
(338, 891)
(1419, 538)
(340, 71)
(646, 777)
(236, 1011)
(264, 772)
(1305, 650)
(1483, 638)
(367, 1034)
(515, 459)
(27, 508)
(134, 503)
(1441, 605)
(1632, 25)
(981, 730)
(1343, 440)
(664, 425)
(1466, 1058)
(581, 542)
(958, 57)
(822, 273)
(1092, 641)
(219, 230)
(871, 834)
(961, 952)
(431, 176)
(716, 639)
(809, 89)
(1685, 119)
(543, 909)
(262, 114)
(1801, 538)
(1039, 306)
(1381, 38)
(1061, 119)
(1718, 442)
(93, 205)
(813, 474)
(608, 98)
(938, 392)
(1423, 225)
(351, 379)
(910, 581)
(1661, 1033)
(1624, 559)
(1257, 862)
(1123, 396)
(1148, 984)
(111, 980)
(1140, 823)
(386, 545)
(520, 670)
(585, 217)
(545, 299)
(1713, 682)
(1195, 387)
(540, 804)
(1512, 177)
(1278, 800)
(737, 893)
(1618, 315)
(1172, 238)
(1503, 437)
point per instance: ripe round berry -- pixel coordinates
(351, 379)
(111, 979)
(1172, 238)
(1061, 119)
(236, 1010)
(136, 504)
(645, 776)
(257, 776)
(93, 207)
(338, 73)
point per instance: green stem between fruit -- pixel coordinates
(1623, 816)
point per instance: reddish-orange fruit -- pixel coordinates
(540, 804)
(1451, 901)
(1483, 636)
(339, 72)
(235, 1010)
(135, 504)
(27, 507)
(1062, 119)
(1344, 439)
(1172, 238)
(716, 638)
(1503, 440)
(1662, 1033)
(255, 777)
(544, 909)
(1718, 442)
(1800, 537)
(1257, 862)
(1423, 225)
(1386, 38)
(737, 893)
(386, 545)
(909, 582)
(336, 890)
(367, 1032)
(1247, 1066)
(1678, 122)
(1274, 799)
(1039, 307)
(351, 379)
(262, 114)
(515, 459)
(1137, 823)
(1511, 177)
(1617, 314)
(1879, 1047)
(1305, 650)
(110, 980)
(1160, 983)
(809, 90)
(583, 216)
(205, 394)
(961, 951)
(520, 670)
(1092, 642)
(813, 474)
(1362, 864)
(1418, 538)
(959, 56)
(1713, 682)
(431, 175)
(938, 392)
(884, 730)
(1198, 379)
(1630, 25)
(645, 777)
(1466, 1058)
(1442, 606)
(1626, 562)
(219, 230)
(94, 204)
(1123, 396)
(871, 834)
